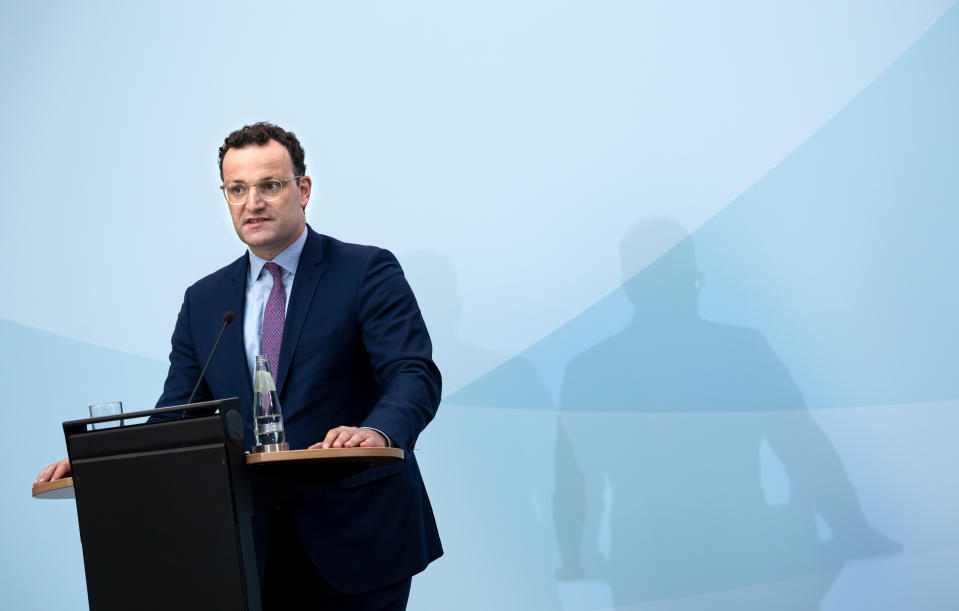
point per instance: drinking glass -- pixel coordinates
(110, 408)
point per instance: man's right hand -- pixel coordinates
(57, 470)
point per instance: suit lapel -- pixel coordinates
(233, 341)
(309, 270)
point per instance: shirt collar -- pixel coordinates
(287, 260)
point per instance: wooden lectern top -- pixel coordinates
(63, 488)
(57, 489)
(373, 455)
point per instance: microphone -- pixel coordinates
(227, 319)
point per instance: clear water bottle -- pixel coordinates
(267, 416)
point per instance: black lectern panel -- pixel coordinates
(164, 512)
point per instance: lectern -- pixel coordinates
(164, 506)
(164, 509)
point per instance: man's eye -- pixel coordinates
(270, 186)
(236, 189)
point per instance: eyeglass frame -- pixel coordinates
(256, 186)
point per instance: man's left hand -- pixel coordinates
(351, 437)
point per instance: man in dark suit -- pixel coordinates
(351, 358)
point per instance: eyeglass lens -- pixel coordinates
(268, 190)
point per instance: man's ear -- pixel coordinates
(305, 185)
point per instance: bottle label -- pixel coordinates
(264, 382)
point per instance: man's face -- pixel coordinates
(266, 227)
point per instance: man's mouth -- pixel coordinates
(255, 220)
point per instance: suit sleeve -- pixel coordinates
(184, 364)
(400, 352)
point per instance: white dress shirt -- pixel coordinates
(258, 287)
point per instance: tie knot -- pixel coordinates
(275, 270)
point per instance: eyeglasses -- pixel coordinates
(237, 192)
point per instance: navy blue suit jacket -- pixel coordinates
(355, 352)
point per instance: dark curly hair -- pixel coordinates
(261, 133)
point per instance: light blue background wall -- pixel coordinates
(689, 268)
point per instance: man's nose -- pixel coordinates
(253, 199)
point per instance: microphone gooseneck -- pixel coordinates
(228, 318)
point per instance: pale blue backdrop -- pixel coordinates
(688, 266)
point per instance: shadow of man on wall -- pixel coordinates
(487, 456)
(668, 433)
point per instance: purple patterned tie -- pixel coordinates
(273, 318)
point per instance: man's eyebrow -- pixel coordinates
(240, 182)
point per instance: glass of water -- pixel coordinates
(110, 408)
